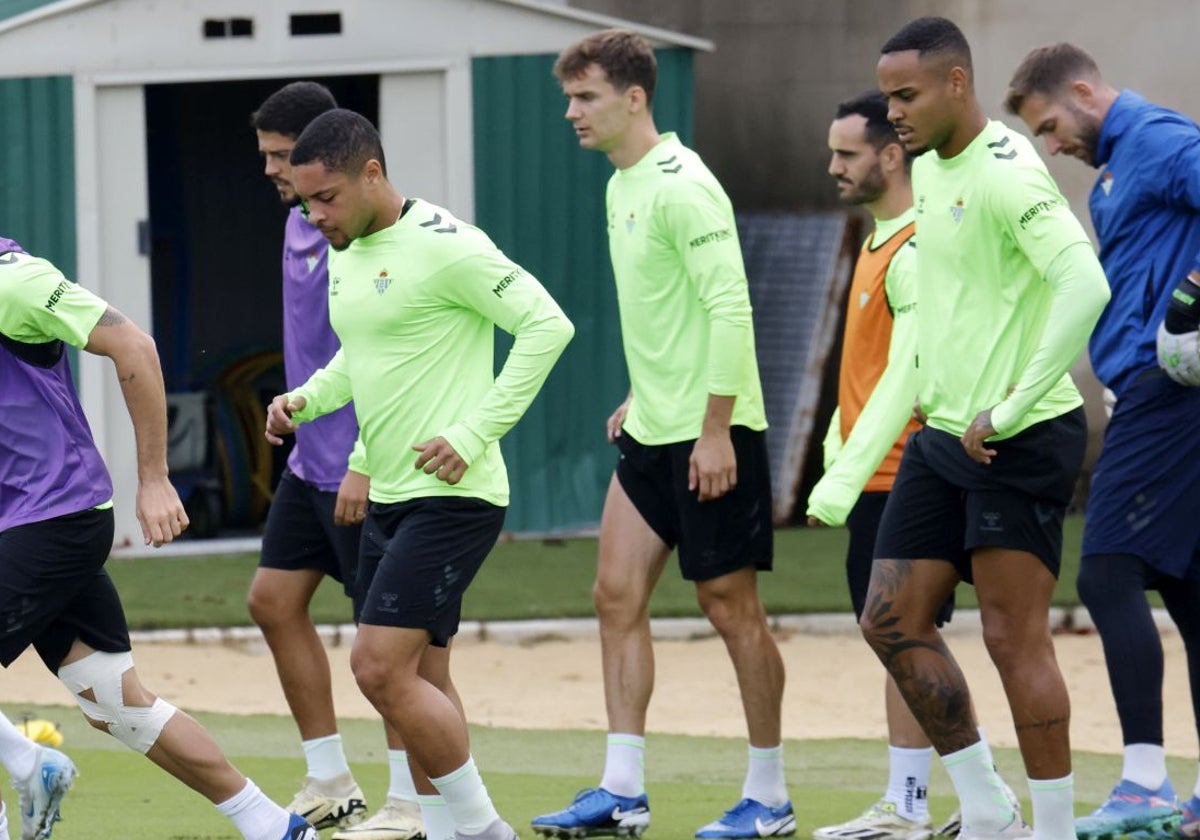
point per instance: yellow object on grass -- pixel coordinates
(42, 731)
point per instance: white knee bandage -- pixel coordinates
(138, 727)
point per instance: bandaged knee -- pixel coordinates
(137, 727)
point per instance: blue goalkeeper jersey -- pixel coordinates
(1146, 210)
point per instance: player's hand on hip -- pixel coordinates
(351, 505)
(973, 440)
(1179, 355)
(617, 419)
(279, 417)
(712, 467)
(439, 459)
(160, 511)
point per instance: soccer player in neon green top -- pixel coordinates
(415, 295)
(1009, 290)
(693, 468)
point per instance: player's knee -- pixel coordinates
(616, 604)
(869, 627)
(885, 631)
(1000, 640)
(730, 602)
(97, 683)
(731, 614)
(373, 675)
(257, 607)
(267, 609)
(1014, 640)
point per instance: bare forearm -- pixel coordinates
(141, 381)
(718, 415)
(139, 373)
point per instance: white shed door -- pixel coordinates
(113, 212)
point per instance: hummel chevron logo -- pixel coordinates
(665, 165)
(437, 220)
(1000, 144)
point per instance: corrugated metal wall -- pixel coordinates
(541, 198)
(37, 167)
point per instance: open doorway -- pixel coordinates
(214, 237)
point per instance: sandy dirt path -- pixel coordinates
(834, 686)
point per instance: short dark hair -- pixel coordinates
(289, 110)
(931, 36)
(1047, 70)
(872, 105)
(341, 139)
(626, 58)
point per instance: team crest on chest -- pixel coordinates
(1106, 182)
(863, 298)
(630, 222)
(382, 282)
(311, 259)
(956, 212)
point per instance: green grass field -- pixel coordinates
(521, 579)
(690, 780)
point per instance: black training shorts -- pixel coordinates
(944, 505)
(714, 537)
(418, 558)
(54, 589)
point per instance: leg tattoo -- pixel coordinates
(913, 651)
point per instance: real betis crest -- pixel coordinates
(382, 282)
(957, 211)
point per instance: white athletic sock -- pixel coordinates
(18, 753)
(624, 765)
(439, 824)
(400, 780)
(325, 756)
(255, 816)
(987, 748)
(1145, 765)
(908, 781)
(985, 808)
(3, 822)
(467, 799)
(1053, 807)
(764, 776)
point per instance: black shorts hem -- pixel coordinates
(713, 538)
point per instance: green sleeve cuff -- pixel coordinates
(306, 414)
(832, 444)
(466, 443)
(831, 501)
(358, 458)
